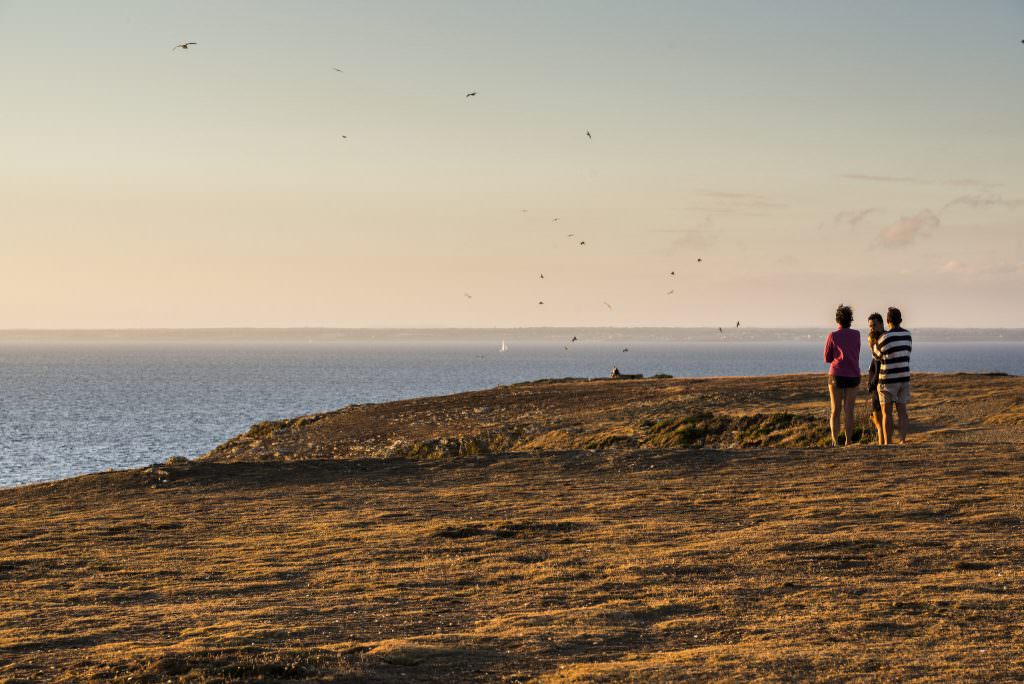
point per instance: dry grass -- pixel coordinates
(771, 563)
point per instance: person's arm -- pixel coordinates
(831, 352)
(879, 351)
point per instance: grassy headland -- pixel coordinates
(557, 531)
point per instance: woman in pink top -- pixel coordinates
(842, 353)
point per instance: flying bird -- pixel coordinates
(672, 273)
(720, 331)
(183, 46)
(553, 220)
(571, 235)
(472, 94)
(573, 339)
(467, 295)
(625, 350)
(338, 70)
(608, 305)
(542, 276)
(540, 302)
(699, 260)
(590, 136)
(670, 292)
(583, 242)
(344, 137)
(737, 324)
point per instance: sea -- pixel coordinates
(71, 407)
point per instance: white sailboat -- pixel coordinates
(504, 347)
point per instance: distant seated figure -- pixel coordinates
(615, 372)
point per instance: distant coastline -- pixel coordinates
(526, 334)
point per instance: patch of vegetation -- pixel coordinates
(705, 428)
(461, 445)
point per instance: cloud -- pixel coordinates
(954, 266)
(985, 201)
(853, 217)
(957, 267)
(905, 232)
(746, 200)
(886, 179)
(962, 182)
(725, 211)
(972, 182)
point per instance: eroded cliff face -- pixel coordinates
(576, 414)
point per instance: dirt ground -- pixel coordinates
(665, 550)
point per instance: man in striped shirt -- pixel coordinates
(893, 354)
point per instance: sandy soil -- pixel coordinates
(419, 554)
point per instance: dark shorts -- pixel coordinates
(842, 382)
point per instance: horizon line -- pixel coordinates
(455, 328)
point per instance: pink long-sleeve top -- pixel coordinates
(842, 352)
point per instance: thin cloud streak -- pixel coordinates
(961, 182)
(985, 201)
(853, 217)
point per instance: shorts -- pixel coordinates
(843, 381)
(895, 393)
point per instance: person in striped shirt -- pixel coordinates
(893, 355)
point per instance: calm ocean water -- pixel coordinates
(68, 408)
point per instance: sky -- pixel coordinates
(808, 153)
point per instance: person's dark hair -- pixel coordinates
(873, 334)
(894, 316)
(844, 316)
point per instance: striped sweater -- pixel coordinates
(893, 355)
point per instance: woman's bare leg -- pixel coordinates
(887, 421)
(876, 420)
(835, 397)
(849, 404)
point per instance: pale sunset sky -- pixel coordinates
(809, 152)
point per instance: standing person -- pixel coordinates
(875, 330)
(894, 374)
(842, 353)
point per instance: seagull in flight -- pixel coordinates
(720, 331)
(737, 324)
(625, 350)
(467, 295)
(670, 292)
(554, 220)
(699, 260)
(183, 46)
(590, 136)
(540, 303)
(583, 242)
(542, 276)
(573, 339)
(672, 273)
(608, 305)
(472, 94)
(338, 70)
